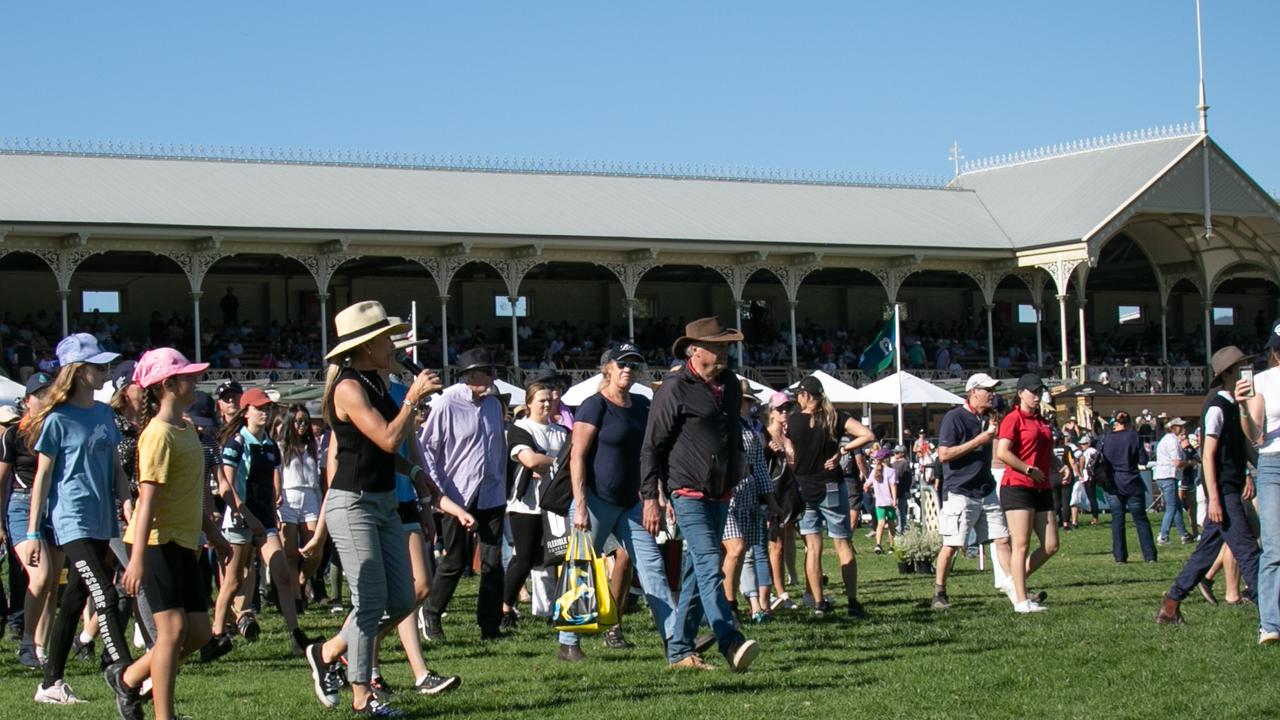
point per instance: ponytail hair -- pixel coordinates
(830, 418)
(330, 382)
(232, 428)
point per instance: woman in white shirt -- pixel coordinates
(301, 493)
(1261, 424)
(1169, 461)
(534, 443)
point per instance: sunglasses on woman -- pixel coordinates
(631, 365)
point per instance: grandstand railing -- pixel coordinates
(1157, 379)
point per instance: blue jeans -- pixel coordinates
(1172, 507)
(1268, 483)
(626, 525)
(1234, 530)
(755, 570)
(1136, 505)
(702, 588)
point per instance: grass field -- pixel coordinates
(1095, 654)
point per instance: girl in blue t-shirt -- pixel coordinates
(78, 472)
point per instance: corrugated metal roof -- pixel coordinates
(110, 190)
(1060, 199)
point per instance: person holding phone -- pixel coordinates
(1025, 446)
(1260, 420)
(965, 444)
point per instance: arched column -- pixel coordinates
(629, 273)
(737, 275)
(1060, 268)
(512, 271)
(791, 276)
(322, 265)
(195, 265)
(63, 262)
(1035, 282)
(442, 269)
(988, 281)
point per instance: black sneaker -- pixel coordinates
(324, 677)
(508, 623)
(856, 610)
(433, 684)
(82, 650)
(249, 628)
(298, 642)
(822, 608)
(703, 643)
(614, 640)
(941, 601)
(128, 704)
(377, 708)
(217, 646)
(431, 630)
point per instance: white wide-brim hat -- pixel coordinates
(359, 324)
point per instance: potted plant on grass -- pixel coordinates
(917, 547)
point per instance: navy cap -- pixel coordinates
(1031, 381)
(38, 381)
(1273, 340)
(621, 352)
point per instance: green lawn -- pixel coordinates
(1095, 654)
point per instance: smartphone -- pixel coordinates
(1246, 373)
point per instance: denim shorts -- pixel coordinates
(19, 514)
(833, 511)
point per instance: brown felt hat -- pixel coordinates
(706, 329)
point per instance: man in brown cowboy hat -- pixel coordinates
(692, 452)
(464, 442)
(1224, 456)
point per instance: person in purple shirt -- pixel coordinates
(465, 446)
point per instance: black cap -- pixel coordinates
(621, 351)
(228, 387)
(811, 385)
(38, 381)
(123, 375)
(1273, 340)
(1031, 381)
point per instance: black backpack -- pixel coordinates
(1101, 472)
(555, 490)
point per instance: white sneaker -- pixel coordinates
(1006, 587)
(1028, 606)
(1268, 637)
(782, 602)
(59, 694)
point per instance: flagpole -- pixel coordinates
(413, 328)
(897, 364)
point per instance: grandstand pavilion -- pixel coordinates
(1163, 221)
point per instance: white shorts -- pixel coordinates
(961, 513)
(299, 506)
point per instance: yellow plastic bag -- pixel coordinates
(584, 603)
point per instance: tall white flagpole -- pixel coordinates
(413, 328)
(897, 365)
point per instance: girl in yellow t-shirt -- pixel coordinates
(164, 532)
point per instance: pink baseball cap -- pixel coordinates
(160, 363)
(778, 399)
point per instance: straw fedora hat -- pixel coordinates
(359, 324)
(706, 329)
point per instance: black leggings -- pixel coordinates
(90, 574)
(1062, 502)
(526, 553)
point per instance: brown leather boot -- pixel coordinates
(1170, 612)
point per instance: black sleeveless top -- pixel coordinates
(362, 465)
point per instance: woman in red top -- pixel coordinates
(1026, 448)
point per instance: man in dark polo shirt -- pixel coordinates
(1225, 454)
(968, 488)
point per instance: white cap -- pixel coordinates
(980, 380)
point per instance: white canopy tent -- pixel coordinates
(11, 391)
(837, 391)
(914, 392)
(575, 395)
(503, 387)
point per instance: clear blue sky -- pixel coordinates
(858, 86)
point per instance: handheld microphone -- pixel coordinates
(407, 363)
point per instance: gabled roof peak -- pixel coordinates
(1112, 140)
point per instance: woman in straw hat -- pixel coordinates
(361, 509)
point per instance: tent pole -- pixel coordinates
(897, 363)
